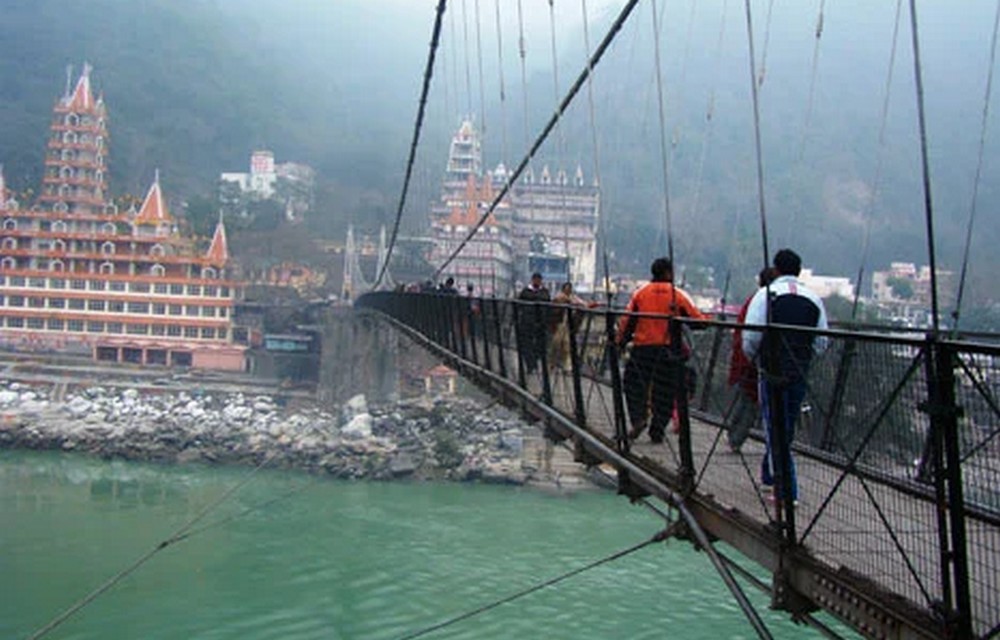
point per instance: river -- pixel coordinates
(294, 556)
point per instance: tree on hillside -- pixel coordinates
(201, 213)
(901, 288)
(839, 309)
(265, 215)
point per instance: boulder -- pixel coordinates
(359, 427)
(8, 398)
(354, 407)
(403, 463)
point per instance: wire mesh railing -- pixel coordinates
(891, 469)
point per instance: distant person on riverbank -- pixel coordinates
(654, 371)
(743, 412)
(531, 329)
(783, 379)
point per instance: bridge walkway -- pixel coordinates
(897, 528)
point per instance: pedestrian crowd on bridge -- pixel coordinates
(768, 369)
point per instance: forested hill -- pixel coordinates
(820, 134)
(193, 86)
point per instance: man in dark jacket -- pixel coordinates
(531, 326)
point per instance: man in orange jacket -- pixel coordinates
(654, 367)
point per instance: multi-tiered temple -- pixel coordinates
(548, 224)
(77, 274)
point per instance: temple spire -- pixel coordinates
(82, 98)
(154, 208)
(218, 251)
(69, 82)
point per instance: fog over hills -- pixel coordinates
(194, 85)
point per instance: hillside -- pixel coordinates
(191, 90)
(194, 85)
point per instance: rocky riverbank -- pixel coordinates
(447, 437)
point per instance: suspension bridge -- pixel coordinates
(897, 526)
(896, 530)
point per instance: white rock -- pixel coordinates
(8, 398)
(79, 407)
(236, 413)
(34, 406)
(512, 440)
(359, 428)
(355, 407)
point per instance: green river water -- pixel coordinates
(339, 559)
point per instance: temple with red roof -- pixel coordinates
(78, 275)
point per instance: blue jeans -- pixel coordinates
(774, 464)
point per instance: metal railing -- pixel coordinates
(896, 445)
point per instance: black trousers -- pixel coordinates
(652, 380)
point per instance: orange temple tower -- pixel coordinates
(78, 275)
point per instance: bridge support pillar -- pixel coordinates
(360, 355)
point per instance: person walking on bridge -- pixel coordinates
(743, 414)
(653, 372)
(783, 358)
(531, 326)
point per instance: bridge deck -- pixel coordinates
(881, 536)
(843, 535)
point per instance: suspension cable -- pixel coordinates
(647, 90)
(924, 163)
(522, 53)
(756, 130)
(453, 59)
(592, 63)
(597, 149)
(561, 136)
(447, 87)
(675, 134)
(428, 73)
(468, 68)
(767, 41)
(879, 158)
(703, 155)
(807, 121)
(590, 98)
(178, 535)
(479, 59)
(215, 524)
(663, 139)
(979, 167)
(660, 536)
(812, 80)
(503, 87)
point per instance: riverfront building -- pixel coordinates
(555, 215)
(546, 223)
(78, 275)
(290, 184)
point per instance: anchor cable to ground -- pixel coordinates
(658, 537)
(183, 532)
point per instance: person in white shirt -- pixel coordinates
(785, 301)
